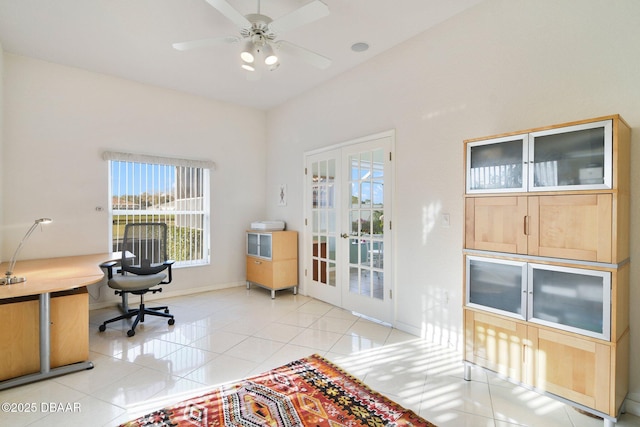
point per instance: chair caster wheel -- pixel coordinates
(171, 321)
(131, 333)
(102, 328)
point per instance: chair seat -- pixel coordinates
(135, 283)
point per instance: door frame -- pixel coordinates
(306, 248)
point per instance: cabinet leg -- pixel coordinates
(295, 290)
(248, 285)
(467, 372)
(609, 423)
(273, 294)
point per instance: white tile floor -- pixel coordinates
(229, 334)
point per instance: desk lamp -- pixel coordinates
(8, 280)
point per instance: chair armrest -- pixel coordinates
(168, 263)
(109, 266)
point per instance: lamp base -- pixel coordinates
(7, 280)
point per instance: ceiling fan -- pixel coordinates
(259, 34)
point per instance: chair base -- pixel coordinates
(139, 313)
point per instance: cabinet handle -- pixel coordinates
(526, 225)
(257, 262)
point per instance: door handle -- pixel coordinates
(344, 235)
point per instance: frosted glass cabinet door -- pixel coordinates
(265, 246)
(497, 285)
(573, 299)
(496, 165)
(259, 245)
(573, 157)
(252, 243)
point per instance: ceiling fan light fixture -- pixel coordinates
(248, 67)
(270, 57)
(271, 60)
(248, 53)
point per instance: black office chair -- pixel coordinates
(144, 258)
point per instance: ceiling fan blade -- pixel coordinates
(304, 15)
(194, 44)
(230, 13)
(312, 58)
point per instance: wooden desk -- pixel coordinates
(65, 279)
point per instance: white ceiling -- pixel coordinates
(132, 39)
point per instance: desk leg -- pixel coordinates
(45, 333)
(45, 352)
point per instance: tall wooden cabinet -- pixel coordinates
(546, 258)
(272, 260)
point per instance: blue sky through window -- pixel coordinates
(129, 178)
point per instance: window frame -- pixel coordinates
(202, 208)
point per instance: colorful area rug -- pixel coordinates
(306, 392)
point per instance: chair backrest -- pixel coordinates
(147, 242)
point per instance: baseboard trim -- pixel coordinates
(632, 407)
(172, 293)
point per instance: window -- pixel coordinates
(155, 189)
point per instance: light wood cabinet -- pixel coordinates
(575, 368)
(69, 332)
(272, 260)
(547, 238)
(586, 371)
(495, 343)
(575, 226)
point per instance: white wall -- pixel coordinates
(59, 120)
(505, 65)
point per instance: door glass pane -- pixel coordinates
(569, 298)
(331, 220)
(496, 285)
(569, 158)
(378, 284)
(324, 219)
(354, 282)
(331, 275)
(265, 245)
(378, 164)
(252, 244)
(355, 194)
(355, 167)
(365, 283)
(323, 171)
(353, 251)
(331, 249)
(355, 222)
(315, 221)
(365, 165)
(377, 223)
(367, 223)
(496, 166)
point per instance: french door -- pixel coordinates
(348, 219)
